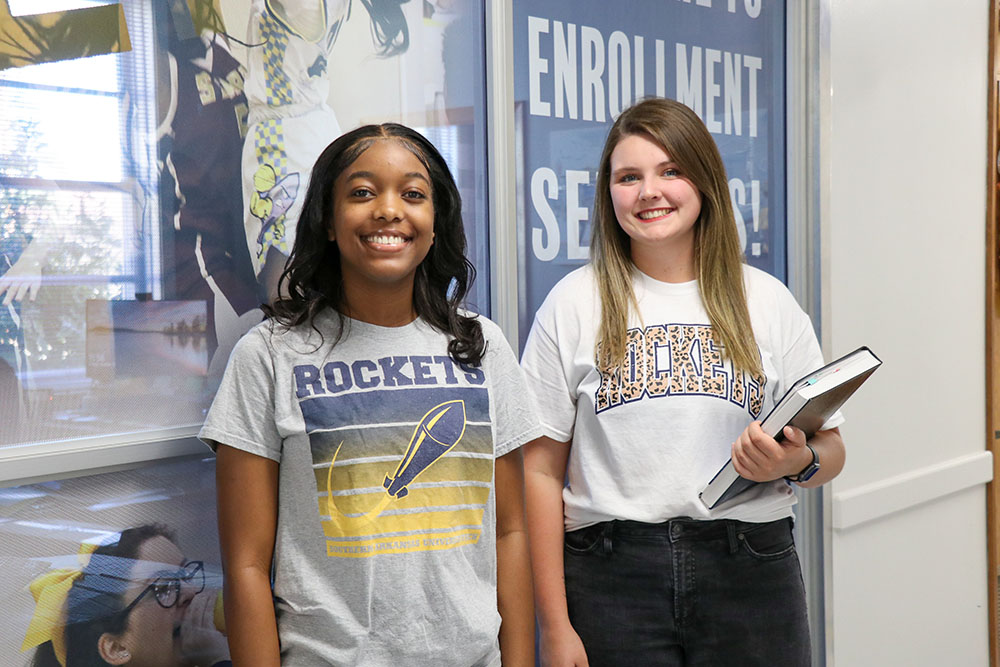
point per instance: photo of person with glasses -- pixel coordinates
(138, 601)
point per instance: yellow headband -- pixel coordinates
(49, 620)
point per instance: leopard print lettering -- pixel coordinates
(713, 378)
(657, 381)
(696, 367)
(634, 369)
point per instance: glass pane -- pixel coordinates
(144, 524)
(66, 135)
(333, 74)
(132, 256)
(98, 73)
(578, 64)
(22, 7)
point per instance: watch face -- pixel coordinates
(807, 474)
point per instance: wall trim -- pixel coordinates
(501, 161)
(47, 461)
(894, 494)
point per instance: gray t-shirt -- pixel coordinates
(386, 540)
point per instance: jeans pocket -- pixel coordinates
(585, 540)
(768, 541)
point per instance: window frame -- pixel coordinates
(90, 455)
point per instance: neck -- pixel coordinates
(381, 307)
(666, 265)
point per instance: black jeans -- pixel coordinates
(686, 592)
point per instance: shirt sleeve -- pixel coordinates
(242, 414)
(515, 420)
(547, 374)
(801, 352)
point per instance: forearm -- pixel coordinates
(250, 622)
(546, 536)
(247, 490)
(514, 599)
(830, 450)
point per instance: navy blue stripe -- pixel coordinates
(382, 406)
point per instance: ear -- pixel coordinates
(330, 234)
(112, 650)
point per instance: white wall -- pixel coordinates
(904, 165)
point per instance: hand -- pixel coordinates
(201, 644)
(25, 277)
(20, 281)
(562, 648)
(760, 458)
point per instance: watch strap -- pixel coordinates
(810, 469)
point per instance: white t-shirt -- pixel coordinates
(647, 438)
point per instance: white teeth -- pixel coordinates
(385, 239)
(646, 215)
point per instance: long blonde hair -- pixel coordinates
(718, 257)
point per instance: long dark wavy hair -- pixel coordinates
(312, 279)
(95, 603)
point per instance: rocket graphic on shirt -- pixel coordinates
(439, 430)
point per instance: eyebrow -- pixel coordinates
(665, 163)
(371, 175)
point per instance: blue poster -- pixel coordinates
(578, 64)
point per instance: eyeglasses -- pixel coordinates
(166, 588)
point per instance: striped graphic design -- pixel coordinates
(403, 470)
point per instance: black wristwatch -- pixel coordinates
(806, 473)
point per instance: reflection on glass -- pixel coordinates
(142, 338)
(578, 64)
(134, 600)
(87, 548)
(130, 248)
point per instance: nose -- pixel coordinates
(647, 191)
(389, 208)
(187, 592)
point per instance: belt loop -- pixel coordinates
(606, 535)
(734, 545)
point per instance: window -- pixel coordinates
(77, 180)
(134, 244)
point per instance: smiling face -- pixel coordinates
(152, 633)
(383, 221)
(656, 205)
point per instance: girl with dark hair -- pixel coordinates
(369, 474)
(136, 602)
(651, 366)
